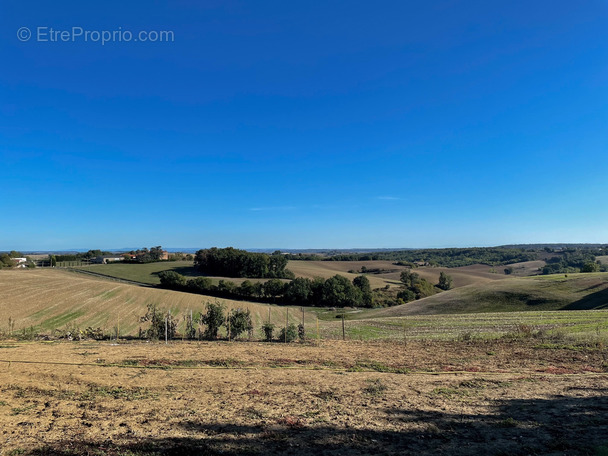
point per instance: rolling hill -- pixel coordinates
(552, 292)
(53, 299)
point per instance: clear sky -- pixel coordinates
(303, 124)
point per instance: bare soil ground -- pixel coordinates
(456, 398)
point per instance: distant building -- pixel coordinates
(105, 259)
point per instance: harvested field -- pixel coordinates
(467, 275)
(340, 398)
(54, 299)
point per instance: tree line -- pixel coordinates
(231, 262)
(337, 291)
(574, 260)
(450, 257)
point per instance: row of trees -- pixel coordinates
(207, 325)
(337, 291)
(230, 262)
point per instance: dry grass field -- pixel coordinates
(54, 299)
(428, 398)
(468, 275)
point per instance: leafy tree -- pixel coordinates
(338, 291)
(240, 321)
(156, 253)
(298, 291)
(409, 279)
(362, 283)
(6, 261)
(274, 288)
(509, 270)
(445, 281)
(407, 295)
(414, 283)
(590, 267)
(172, 280)
(226, 288)
(199, 285)
(316, 289)
(423, 289)
(246, 289)
(213, 320)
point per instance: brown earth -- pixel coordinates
(493, 397)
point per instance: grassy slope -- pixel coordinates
(148, 273)
(554, 292)
(476, 274)
(52, 299)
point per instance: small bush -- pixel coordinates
(301, 332)
(288, 334)
(267, 331)
(213, 319)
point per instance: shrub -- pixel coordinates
(159, 323)
(240, 321)
(172, 280)
(288, 334)
(301, 332)
(268, 330)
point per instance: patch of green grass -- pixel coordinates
(144, 273)
(2, 403)
(16, 452)
(106, 295)
(22, 410)
(61, 320)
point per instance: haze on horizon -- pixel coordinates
(299, 125)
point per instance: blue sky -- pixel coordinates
(304, 124)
